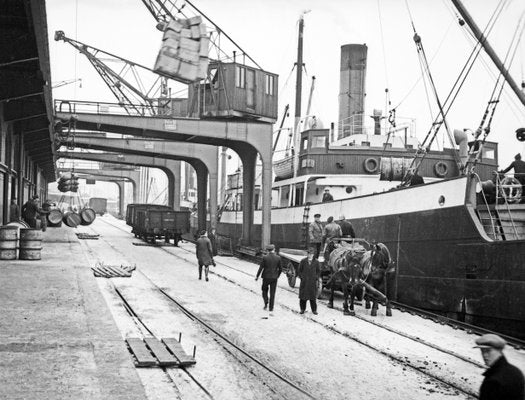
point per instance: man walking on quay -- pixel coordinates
(502, 380)
(270, 269)
(308, 271)
(204, 254)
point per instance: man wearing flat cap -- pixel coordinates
(502, 380)
(519, 170)
(270, 269)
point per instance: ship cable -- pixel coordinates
(495, 98)
(433, 131)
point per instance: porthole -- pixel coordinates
(441, 200)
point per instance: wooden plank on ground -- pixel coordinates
(175, 347)
(166, 359)
(142, 355)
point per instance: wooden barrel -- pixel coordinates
(88, 215)
(72, 219)
(393, 168)
(30, 244)
(55, 217)
(8, 242)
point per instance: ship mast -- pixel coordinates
(298, 91)
(488, 48)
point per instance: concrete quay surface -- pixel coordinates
(58, 340)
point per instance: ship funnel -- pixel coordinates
(352, 89)
(461, 139)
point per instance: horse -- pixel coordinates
(355, 269)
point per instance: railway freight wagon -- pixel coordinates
(99, 205)
(131, 211)
(153, 221)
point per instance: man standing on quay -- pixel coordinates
(270, 269)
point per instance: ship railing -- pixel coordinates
(362, 124)
(489, 212)
(508, 191)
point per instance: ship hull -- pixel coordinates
(445, 261)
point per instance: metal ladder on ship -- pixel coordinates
(306, 225)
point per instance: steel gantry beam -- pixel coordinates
(121, 189)
(88, 173)
(170, 167)
(203, 158)
(247, 139)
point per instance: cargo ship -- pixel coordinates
(458, 239)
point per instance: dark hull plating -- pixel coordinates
(443, 265)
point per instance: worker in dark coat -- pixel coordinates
(213, 239)
(14, 211)
(519, 168)
(308, 271)
(44, 212)
(347, 229)
(270, 269)
(327, 196)
(315, 232)
(204, 254)
(502, 380)
(30, 211)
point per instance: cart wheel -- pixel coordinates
(290, 274)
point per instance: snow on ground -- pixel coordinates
(328, 354)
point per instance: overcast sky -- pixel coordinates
(267, 30)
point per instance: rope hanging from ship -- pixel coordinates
(445, 107)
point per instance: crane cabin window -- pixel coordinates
(269, 84)
(240, 77)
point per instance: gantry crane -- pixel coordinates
(134, 97)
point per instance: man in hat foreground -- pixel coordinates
(270, 269)
(502, 380)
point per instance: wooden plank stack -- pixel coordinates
(183, 55)
(152, 352)
(112, 271)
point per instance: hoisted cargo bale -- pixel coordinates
(184, 50)
(72, 219)
(88, 215)
(8, 242)
(30, 244)
(54, 218)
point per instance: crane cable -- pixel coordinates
(456, 87)
(495, 98)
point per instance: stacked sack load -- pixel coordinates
(184, 51)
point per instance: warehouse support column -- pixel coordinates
(266, 192)
(213, 173)
(248, 158)
(202, 193)
(174, 179)
(121, 198)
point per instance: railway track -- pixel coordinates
(245, 358)
(333, 329)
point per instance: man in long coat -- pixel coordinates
(204, 254)
(270, 269)
(308, 271)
